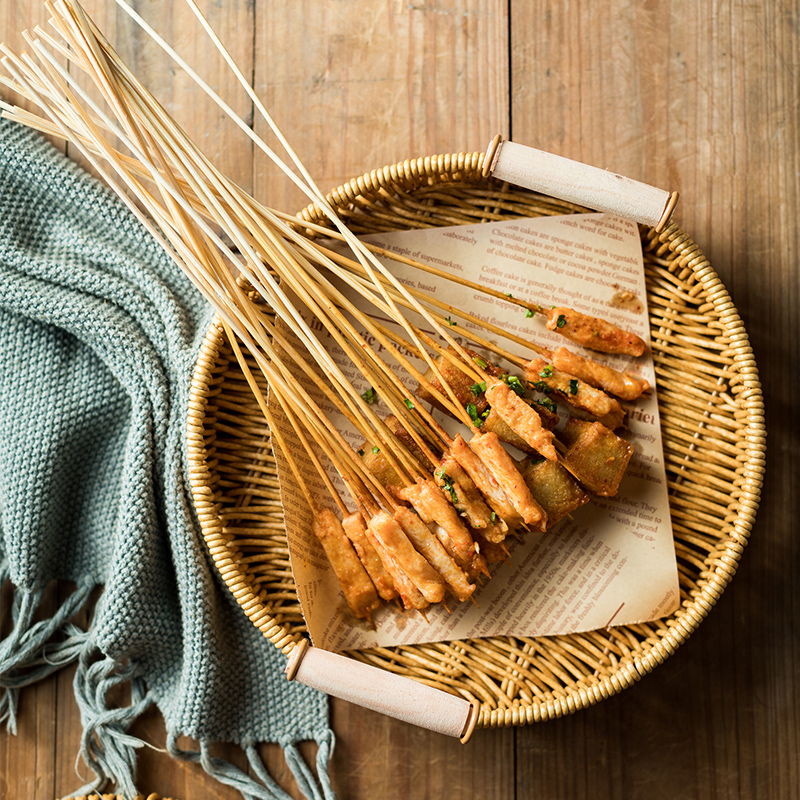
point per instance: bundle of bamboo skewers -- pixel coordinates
(426, 512)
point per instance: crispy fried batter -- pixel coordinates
(451, 478)
(400, 558)
(464, 388)
(505, 471)
(433, 550)
(601, 376)
(593, 332)
(356, 584)
(521, 418)
(487, 483)
(572, 390)
(431, 504)
(356, 531)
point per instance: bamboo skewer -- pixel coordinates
(370, 263)
(141, 143)
(33, 93)
(354, 267)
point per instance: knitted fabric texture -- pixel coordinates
(99, 331)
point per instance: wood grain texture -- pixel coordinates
(702, 98)
(360, 84)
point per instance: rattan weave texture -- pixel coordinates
(712, 418)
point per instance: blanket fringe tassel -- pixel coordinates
(313, 787)
(35, 649)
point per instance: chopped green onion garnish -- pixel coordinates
(547, 403)
(447, 482)
(477, 419)
(477, 388)
(514, 383)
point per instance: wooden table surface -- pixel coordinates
(701, 97)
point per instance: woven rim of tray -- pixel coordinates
(712, 418)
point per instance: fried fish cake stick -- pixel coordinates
(411, 596)
(554, 488)
(487, 484)
(403, 557)
(460, 383)
(451, 478)
(575, 392)
(596, 456)
(601, 376)
(356, 584)
(429, 502)
(505, 471)
(356, 531)
(593, 332)
(433, 550)
(521, 418)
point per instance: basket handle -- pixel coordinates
(578, 183)
(382, 691)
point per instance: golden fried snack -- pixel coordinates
(433, 550)
(487, 484)
(593, 332)
(494, 423)
(403, 562)
(545, 377)
(451, 478)
(356, 584)
(410, 595)
(521, 418)
(554, 488)
(433, 507)
(596, 456)
(356, 531)
(505, 471)
(601, 376)
(463, 387)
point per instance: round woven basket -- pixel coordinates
(712, 419)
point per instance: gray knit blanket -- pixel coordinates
(99, 331)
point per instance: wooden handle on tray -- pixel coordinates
(578, 183)
(382, 691)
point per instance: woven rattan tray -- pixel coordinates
(714, 440)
